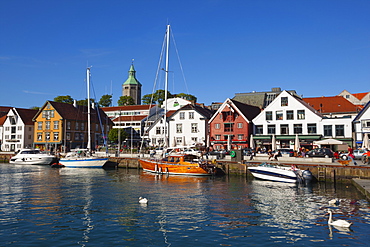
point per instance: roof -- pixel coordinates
(4, 110)
(207, 113)
(363, 110)
(131, 80)
(129, 118)
(2, 120)
(249, 111)
(26, 115)
(333, 104)
(128, 108)
(78, 113)
(360, 96)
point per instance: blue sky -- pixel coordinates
(316, 47)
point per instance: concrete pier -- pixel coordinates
(363, 185)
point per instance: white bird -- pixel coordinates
(334, 201)
(143, 200)
(340, 223)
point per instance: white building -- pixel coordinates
(288, 115)
(361, 125)
(18, 129)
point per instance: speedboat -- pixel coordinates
(32, 157)
(280, 173)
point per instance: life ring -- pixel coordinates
(233, 154)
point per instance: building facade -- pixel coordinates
(132, 87)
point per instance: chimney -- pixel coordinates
(75, 103)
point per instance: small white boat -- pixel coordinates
(32, 157)
(280, 173)
(80, 158)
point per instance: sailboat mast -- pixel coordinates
(166, 84)
(88, 111)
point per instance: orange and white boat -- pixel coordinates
(178, 164)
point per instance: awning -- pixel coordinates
(287, 137)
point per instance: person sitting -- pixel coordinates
(277, 154)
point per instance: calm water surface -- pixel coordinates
(42, 206)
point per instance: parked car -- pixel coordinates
(320, 152)
(192, 151)
(357, 153)
(285, 152)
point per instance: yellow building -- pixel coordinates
(62, 126)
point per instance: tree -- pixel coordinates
(105, 100)
(64, 99)
(83, 102)
(158, 97)
(35, 108)
(113, 135)
(126, 100)
(187, 97)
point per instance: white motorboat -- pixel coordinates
(32, 157)
(280, 173)
(82, 158)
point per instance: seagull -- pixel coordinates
(143, 200)
(334, 201)
(340, 223)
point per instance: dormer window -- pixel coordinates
(284, 101)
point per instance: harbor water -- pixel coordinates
(44, 206)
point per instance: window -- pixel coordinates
(289, 115)
(194, 139)
(300, 114)
(19, 127)
(284, 101)
(279, 115)
(297, 128)
(82, 136)
(47, 125)
(56, 125)
(77, 136)
(82, 126)
(339, 130)
(182, 115)
(158, 130)
(240, 125)
(56, 136)
(284, 129)
(178, 140)
(77, 126)
(218, 137)
(269, 115)
(311, 129)
(259, 129)
(39, 125)
(68, 125)
(271, 129)
(217, 126)
(68, 136)
(178, 128)
(191, 115)
(47, 136)
(240, 136)
(39, 136)
(96, 127)
(194, 128)
(328, 130)
(228, 127)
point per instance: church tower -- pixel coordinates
(132, 87)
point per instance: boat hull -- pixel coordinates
(162, 167)
(46, 160)
(274, 174)
(84, 162)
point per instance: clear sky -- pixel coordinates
(316, 47)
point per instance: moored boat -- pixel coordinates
(32, 157)
(178, 164)
(277, 173)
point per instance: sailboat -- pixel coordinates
(82, 158)
(175, 163)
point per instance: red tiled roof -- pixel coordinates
(127, 108)
(129, 118)
(2, 120)
(333, 104)
(360, 95)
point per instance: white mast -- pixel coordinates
(88, 111)
(166, 85)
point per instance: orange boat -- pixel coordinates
(179, 164)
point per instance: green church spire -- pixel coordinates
(131, 80)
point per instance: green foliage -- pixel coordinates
(158, 97)
(64, 99)
(105, 100)
(126, 100)
(113, 135)
(35, 108)
(187, 97)
(84, 102)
